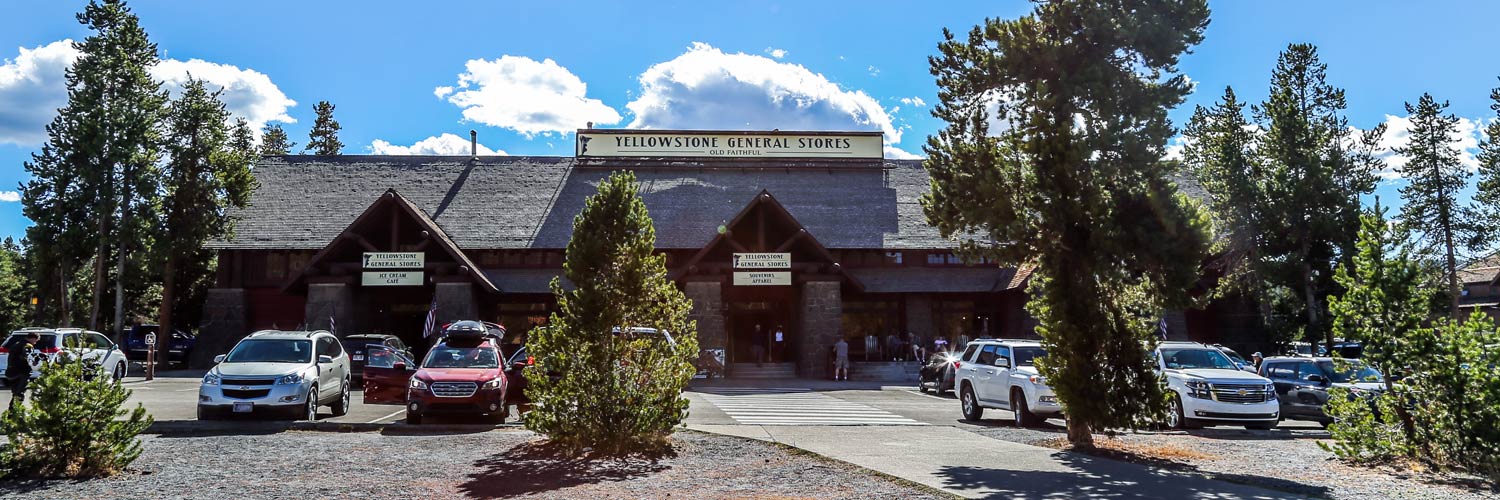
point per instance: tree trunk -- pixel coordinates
(164, 321)
(1079, 433)
(62, 281)
(1452, 270)
(101, 253)
(125, 234)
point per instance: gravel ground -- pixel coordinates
(1286, 459)
(480, 465)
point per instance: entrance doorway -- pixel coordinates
(752, 333)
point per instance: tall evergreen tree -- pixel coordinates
(273, 141)
(1486, 205)
(94, 179)
(1432, 212)
(15, 287)
(323, 139)
(1219, 153)
(241, 138)
(1315, 168)
(1076, 186)
(206, 173)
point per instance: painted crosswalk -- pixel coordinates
(791, 406)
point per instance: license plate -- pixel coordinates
(358, 357)
(243, 407)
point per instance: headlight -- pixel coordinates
(1199, 389)
(494, 383)
(295, 378)
(418, 383)
(1037, 379)
(211, 379)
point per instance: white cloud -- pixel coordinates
(895, 153)
(31, 90)
(10, 196)
(1175, 146)
(527, 96)
(776, 53)
(442, 145)
(913, 101)
(705, 88)
(247, 93)
(1466, 137)
(874, 71)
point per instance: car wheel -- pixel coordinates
(1024, 417)
(970, 405)
(1261, 426)
(119, 371)
(922, 385)
(1175, 418)
(413, 418)
(341, 408)
(311, 415)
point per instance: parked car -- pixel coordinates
(1347, 349)
(1208, 389)
(1239, 361)
(1302, 349)
(178, 351)
(463, 374)
(1302, 384)
(286, 373)
(1001, 373)
(937, 374)
(356, 345)
(100, 353)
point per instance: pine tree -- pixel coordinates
(1076, 186)
(206, 173)
(15, 287)
(72, 425)
(1219, 153)
(1315, 169)
(612, 392)
(1486, 205)
(93, 182)
(323, 139)
(241, 138)
(273, 141)
(1432, 210)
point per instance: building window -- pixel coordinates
(893, 258)
(935, 259)
(869, 318)
(520, 319)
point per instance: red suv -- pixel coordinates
(465, 373)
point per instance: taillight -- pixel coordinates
(957, 364)
(4, 350)
(52, 350)
(530, 360)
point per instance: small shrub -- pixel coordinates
(1364, 429)
(71, 426)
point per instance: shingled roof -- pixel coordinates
(527, 202)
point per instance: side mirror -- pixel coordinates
(219, 359)
(1316, 378)
(399, 366)
(325, 359)
(1002, 362)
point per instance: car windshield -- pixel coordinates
(271, 351)
(449, 356)
(1353, 373)
(1026, 356)
(1187, 359)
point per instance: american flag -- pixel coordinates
(430, 326)
(1161, 329)
(333, 327)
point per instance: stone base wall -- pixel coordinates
(455, 302)
(708, 311)
(819, 324)
(224, 322)
(330, 306)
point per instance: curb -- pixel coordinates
(243, 427)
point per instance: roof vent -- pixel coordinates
(473, 144)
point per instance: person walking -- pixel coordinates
(758, 346)
(1257, 358)
(778, 345)
(841, 359)
(18, 367)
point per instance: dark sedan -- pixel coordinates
(1302, 383)
(358, 345)
(937, 374)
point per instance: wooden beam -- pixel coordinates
(760, 233)
(363, 243)
(801, 233)
(395, 227)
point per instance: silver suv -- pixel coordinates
(285, 373)
(1001, 373)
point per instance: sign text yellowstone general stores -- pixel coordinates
(645, 143)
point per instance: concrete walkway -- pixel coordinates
(974, 466)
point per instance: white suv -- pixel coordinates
(100, 352)
(1002, 374)
(279, 372)
(1208, 389)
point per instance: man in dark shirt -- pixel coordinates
(18, 367)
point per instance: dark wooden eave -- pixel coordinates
(802, 235)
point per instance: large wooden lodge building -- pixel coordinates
(836, 235)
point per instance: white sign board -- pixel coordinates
(391, 278)
(648, 143)
(394, 260)
(762, 278)
(762, 261)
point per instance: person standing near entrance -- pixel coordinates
(758, 346)
(841, 359)
(18, 367)
(893, 347)
(778, 345)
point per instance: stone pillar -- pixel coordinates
(225, 321)
(708, 311)
(819, 324)
(1176, 325)
(455, 301)
(327, 304)
(919, 318)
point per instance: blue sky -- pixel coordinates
(397, 70)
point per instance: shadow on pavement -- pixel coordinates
(1230, 434)
(537, 467)
(1096, 478)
